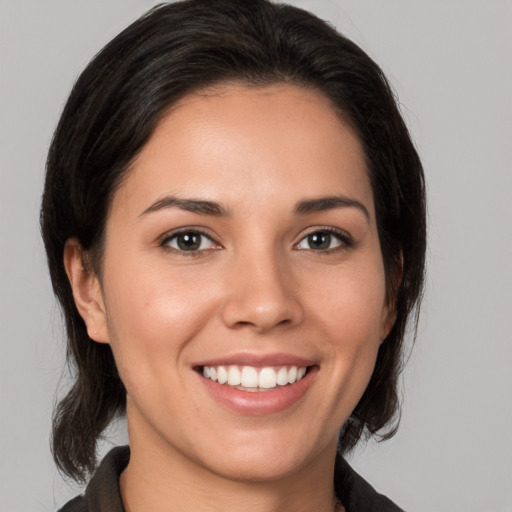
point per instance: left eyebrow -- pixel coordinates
(198, 206)
(322, 204)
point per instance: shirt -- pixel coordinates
(103, 493)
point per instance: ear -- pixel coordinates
(86, 291)
(393, 281)
(388, 320)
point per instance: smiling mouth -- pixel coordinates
(251, 378)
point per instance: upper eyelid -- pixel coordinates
(186, 229)
(343, 234)
(345, 239)
(330, 229)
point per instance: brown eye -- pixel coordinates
(189, 241)
(323, 240)
(319, 240)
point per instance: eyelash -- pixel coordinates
(345, 241)
(166, 240)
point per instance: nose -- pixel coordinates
(262, 293)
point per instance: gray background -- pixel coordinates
(450, 62)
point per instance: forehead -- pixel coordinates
(275, 142)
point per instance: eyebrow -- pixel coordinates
(322, 204)
(198, 206)
(203, 207)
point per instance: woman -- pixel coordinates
(234, 219)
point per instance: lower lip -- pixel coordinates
(260, 403)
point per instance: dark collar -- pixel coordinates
(103, 493)
(356, 494)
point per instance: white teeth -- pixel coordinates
(234, 376)
(282, 376)
(252, 378)
(222, 375)
(249, 378)
(267, 378)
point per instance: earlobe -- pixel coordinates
(394, 280)
(86, 291)
(388, 320)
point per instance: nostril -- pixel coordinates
(261, 307)
(242, 324)
(262, 325)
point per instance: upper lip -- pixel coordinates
(256, 360)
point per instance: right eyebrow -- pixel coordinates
(199, 206)
(322, 204)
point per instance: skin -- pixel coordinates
(256, 286)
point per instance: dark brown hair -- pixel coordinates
(114, 107)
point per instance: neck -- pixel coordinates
(161, 479)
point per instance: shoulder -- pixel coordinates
(103, 493)
(77, 504)
(356, 494)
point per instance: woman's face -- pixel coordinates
(242, 252)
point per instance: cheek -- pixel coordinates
(152, 315)
(352, 302)
(351, 309)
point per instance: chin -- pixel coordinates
(265, 460)
(257, 469)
